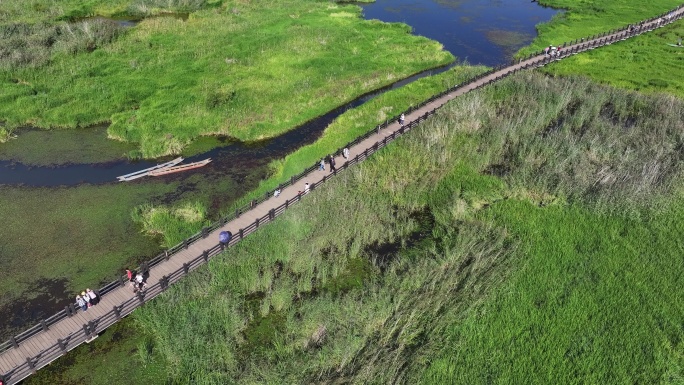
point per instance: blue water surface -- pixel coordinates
(485, 32)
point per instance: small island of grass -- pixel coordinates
(245, 70)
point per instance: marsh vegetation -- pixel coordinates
(529, 232)
(301, 47)
(492, 239)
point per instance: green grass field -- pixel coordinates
(246, 70)
(597, 299)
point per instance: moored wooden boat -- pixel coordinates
(145, 172)
(183, 167)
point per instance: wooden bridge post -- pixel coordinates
(122, 281)
(68, 312)
(14, 342)
(287, 203)
(205, 256)
(86, 331)
(140, 297)
(117, 313)
(43, 325)
(256, 222)
(271, 214)
(92, 325)
(237, 213)
(241, 232)
(62, 345)
(186, 268)
(205, 232)
(185, 243)
(166, 255)
(31, 365)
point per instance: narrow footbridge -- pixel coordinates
(23, 354)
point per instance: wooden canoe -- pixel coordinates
(145, 172)
(183, 167)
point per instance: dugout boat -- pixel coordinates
(145, 172)
(183, 167)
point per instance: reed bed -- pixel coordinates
(492, 246)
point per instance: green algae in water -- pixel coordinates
(37, 147)
(510, 41)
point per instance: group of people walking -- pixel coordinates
(552, 51)
(136, 280)
(331, 161)
(87, 299)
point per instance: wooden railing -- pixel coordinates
(91, 329)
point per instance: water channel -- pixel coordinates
(479, 31)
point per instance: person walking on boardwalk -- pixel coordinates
(86, 298)
(94, 299)
(130, 275)
(401, 120)
(140, 282)
(345, 153)
(322, 165)
(81, 303)
(332, 163)
(225, 237)
(306, 188)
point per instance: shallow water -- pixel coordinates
(485, 32)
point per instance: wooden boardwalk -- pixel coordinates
(19, 358)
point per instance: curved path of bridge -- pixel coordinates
(22, 355)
